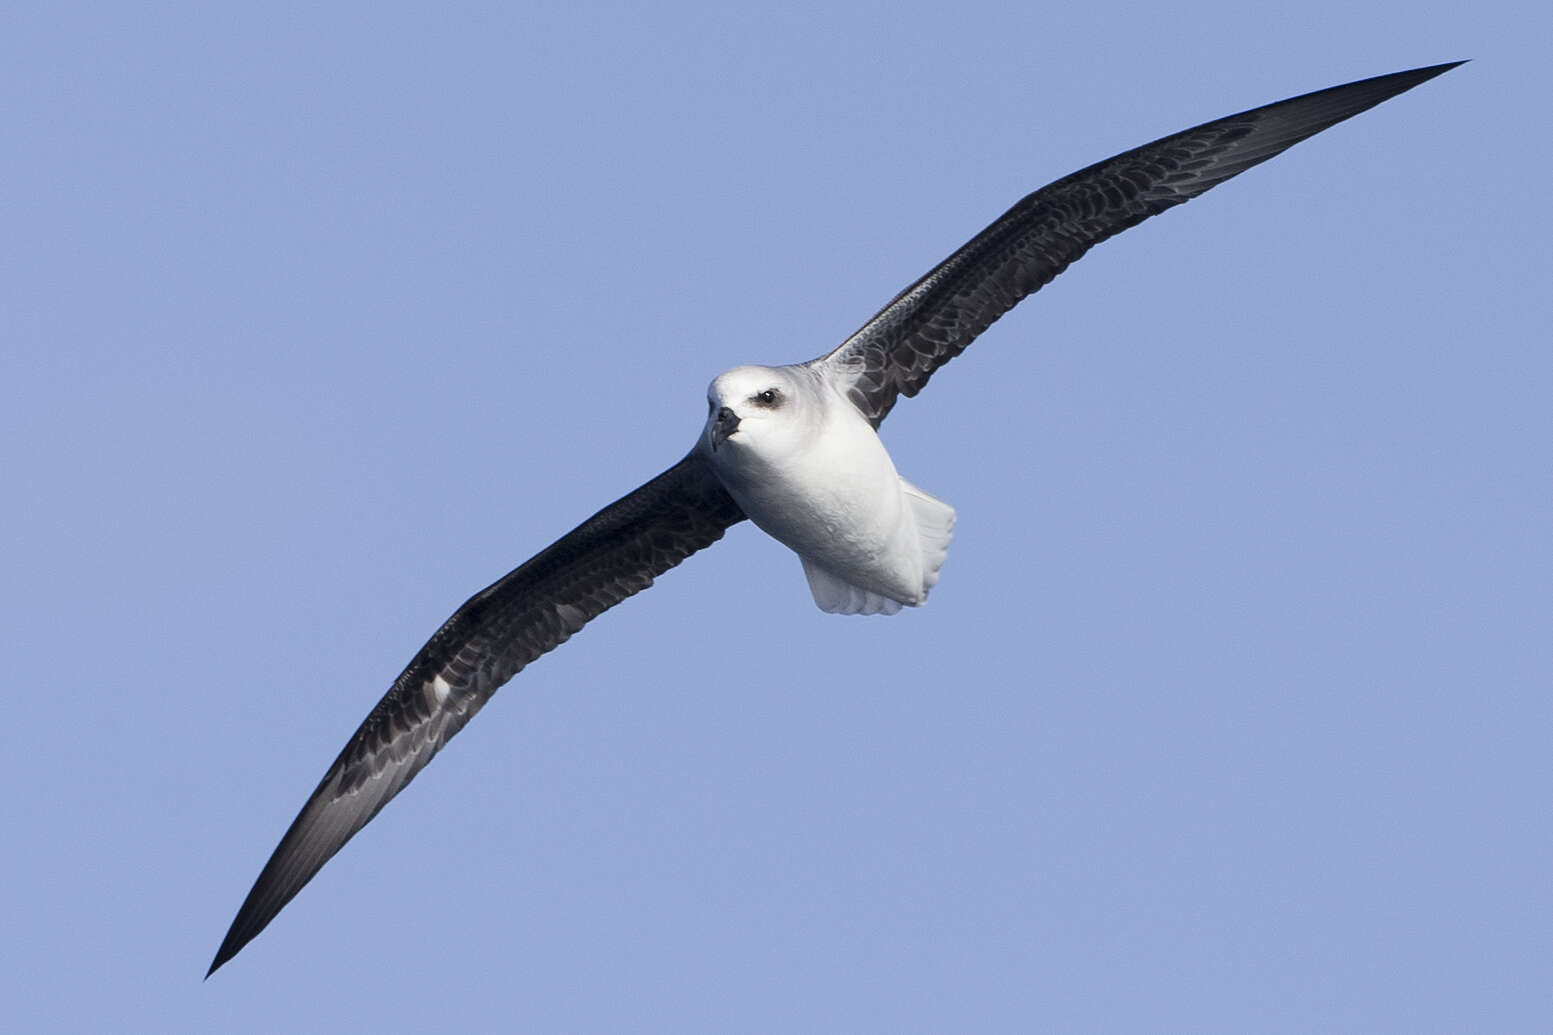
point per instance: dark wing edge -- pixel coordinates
(935, 319)
(530, 611)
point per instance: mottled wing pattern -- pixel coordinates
(498, 631)
(933, 320)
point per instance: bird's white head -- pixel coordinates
(757, 412)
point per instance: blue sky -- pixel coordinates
(1231, 712)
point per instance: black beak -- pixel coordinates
(726, 424)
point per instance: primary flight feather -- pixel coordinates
(794, 449)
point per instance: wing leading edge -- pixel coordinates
(933, 320)
(528, 612)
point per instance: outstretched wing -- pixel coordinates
(933, 320)
(498, 631)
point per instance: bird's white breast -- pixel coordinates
(826, 488)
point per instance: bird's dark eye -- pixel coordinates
(768, 398)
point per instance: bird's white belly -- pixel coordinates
(842, 508)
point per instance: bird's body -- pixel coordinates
(793, 448)
(807, 468)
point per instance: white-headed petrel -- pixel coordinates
(793, 448)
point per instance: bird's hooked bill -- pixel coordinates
(726, 424)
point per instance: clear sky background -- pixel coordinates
(1231, 713)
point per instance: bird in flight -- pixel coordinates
(793, 448)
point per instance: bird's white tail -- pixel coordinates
(935, 527)
(934, 520)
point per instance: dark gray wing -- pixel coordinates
(532, 610)
(933, 320)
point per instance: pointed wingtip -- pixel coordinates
(1409, 78)
(230, 946)
(1418, 76)
(1430, 71)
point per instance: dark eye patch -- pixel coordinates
(770, 397)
